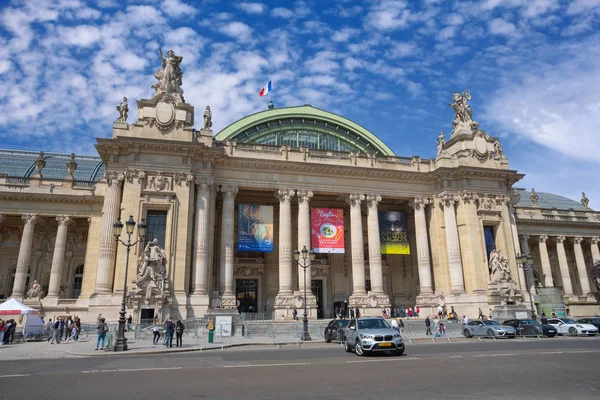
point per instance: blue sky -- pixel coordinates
(532, 66)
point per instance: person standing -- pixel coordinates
(436, 326)
(465, 320)
(401, 327)
(56, 334)
(428, 325)
(65, 329)
(440, 311)
(351, 313)
(101, 329)
(480, 314)
(295, 314)
(418, 311)
(395, 325)
(1, 332)
(357, 312)
(156, 332)
(179, 328)
(170, 329)
(129, 321)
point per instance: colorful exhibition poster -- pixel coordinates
(393, 232)
(255, 228)
(327, 230)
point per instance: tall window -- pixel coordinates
(490, 239)
(77, 282)
(157, 226)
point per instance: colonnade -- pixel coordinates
(559, 240)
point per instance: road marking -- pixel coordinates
(551, 352)
(455, 356)
(494, 355)
(391, 359)
(146, 369)
(13, 376)
(263, 365)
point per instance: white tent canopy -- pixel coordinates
(15, 307)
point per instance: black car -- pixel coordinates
(529, 327)
(335, 330)
(592, 321)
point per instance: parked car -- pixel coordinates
(488, 328)
(568, 326)
(529, 327)
(372, 334)
(592, 321)
(335, 330)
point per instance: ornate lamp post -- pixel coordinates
(121, 343)
(527, 265)
(304, 256)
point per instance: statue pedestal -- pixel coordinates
(205, 137)
(510, 311)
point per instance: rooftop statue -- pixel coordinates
(123, 110)
(441, 140)
(584, 200)
(207, 118)
(169, 77)
(463, 117)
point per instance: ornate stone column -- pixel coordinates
(545, 260)
(356, 243)
(58, 258)
(581, 268)
(453, 246)
(375, 267)
(422, 241)
(110, 211)
(564, 266)
(24, 256)
(203, 205)
(285, 241)
(227, 252)
(304, 197)
(525, 250)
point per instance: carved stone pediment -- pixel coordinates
(248, 271)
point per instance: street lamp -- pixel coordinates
(121, 343)
(304, 256)
(527, 265)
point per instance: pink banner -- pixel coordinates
(327, 230)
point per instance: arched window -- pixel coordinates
(77, 282)
(13, 273)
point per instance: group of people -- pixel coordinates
(7, 331)
(438, 325)
(401, 312)
(345, 312)
(170, 329)
(69, 329)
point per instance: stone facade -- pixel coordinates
(58, 230)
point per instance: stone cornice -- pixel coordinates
(548, 222)
(51, 198)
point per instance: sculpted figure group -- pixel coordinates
(170, 76)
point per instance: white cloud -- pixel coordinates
(322, 62)
(237, 30)
(535, 8)
(251, 8)
(282, 12)
(82, 35)
(446, 33)
(344, 34)
(403, 49)
(5, 65)
(388, 15)
(583, 6)
(498, 26)
(176, 8)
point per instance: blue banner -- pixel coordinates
(255, 228)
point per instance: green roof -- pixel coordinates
(19, 165)
(305, 120)
(549, 200)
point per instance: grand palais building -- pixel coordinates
(225, 212)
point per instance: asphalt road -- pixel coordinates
(549, 369)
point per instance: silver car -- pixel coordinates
(488, 328)
(372, 334)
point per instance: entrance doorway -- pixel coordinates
(147, 316)
(317, 288)
(246, 293)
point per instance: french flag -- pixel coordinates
(265, 89)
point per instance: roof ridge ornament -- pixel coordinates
(463, 116)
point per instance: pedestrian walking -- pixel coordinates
(480, 314)
(336, 312)
(440, 311)
(2, 325)
(357, 312)
(170, 329)
(156, 332)
(442, 329)
(418, 311)
(74, 332)
(395, 325)
(410, 312)
(56, 334)
(65, 328)
(465, 320)
(436, 326)
(101, 329)
(401, 327)
(351, 313)
(428, 325)
(179, 328)
(295, 314)
(129, 322)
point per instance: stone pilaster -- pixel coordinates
(24, 256)
(304, 197)
(525, 250)
(375, 267)
(227, 251)
(545, 260)
(201, 261)
(454, 259)
(58, 258)
(285, 241)
(581, 269)
(564, 266)
(356, 243)
(111, 211)
(422, 241)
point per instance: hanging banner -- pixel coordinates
(393, 232)
(255, 228)
(327, 230)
